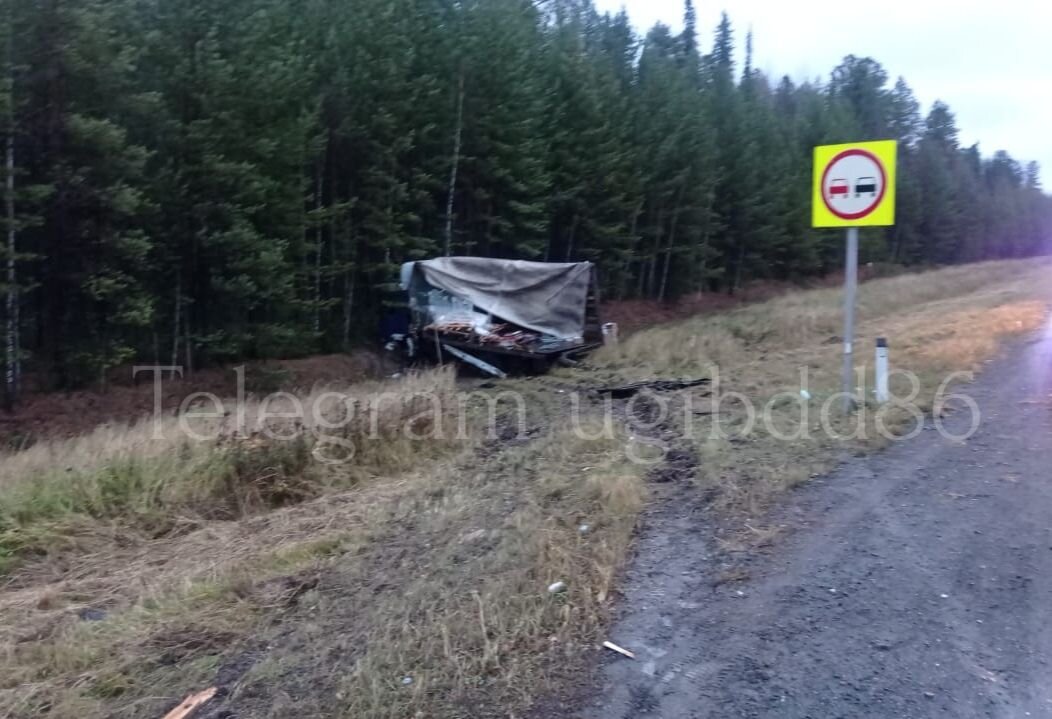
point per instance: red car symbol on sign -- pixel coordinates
(838, 187)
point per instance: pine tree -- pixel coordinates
(506, 181)
(905, 125)
(861, 83)
(689, 37)
(12, 360)
(90, 249)
(199, 181)
(589, 156)
(229, 180)
(937, 155)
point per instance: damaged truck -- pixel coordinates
(499, 316)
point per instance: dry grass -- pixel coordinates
(937, 323)
(477, 630)
(313, 589)
(814, 318)
(151, 438)
(459, 562)
(155, 477)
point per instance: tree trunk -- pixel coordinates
(11, 394)
(671, 243)
(626, 277)
(348, 307)
(14, 299)
(573, 232)
(896, 253)
(351, 263)
(455, 164)
(318, 241)
(189, 348)
(703, 248)
(738, 267)
(652, 272)
(642, 270)
(177, 319)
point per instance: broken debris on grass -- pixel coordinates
(656, 385)
(620, 650)
(191, 704)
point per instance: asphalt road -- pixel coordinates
(918, 583)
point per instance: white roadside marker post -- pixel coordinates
(882, 371)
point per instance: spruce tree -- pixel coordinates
(197, 181)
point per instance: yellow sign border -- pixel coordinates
(883, 214)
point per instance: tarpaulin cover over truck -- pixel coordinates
(546, 297)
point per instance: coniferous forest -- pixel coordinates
(199, 181)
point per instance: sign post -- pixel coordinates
(853, 186)
(850, 289)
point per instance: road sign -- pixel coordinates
(854, 185)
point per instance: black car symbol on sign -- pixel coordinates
(866, 184)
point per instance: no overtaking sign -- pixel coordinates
(854, 185)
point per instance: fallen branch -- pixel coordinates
(620, 650)
(191, 704)
(656, 385)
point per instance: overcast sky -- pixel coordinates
(990, 60)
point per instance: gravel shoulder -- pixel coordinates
(913, 583)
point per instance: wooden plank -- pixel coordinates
(191, 704)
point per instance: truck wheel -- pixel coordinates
(539, 365)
